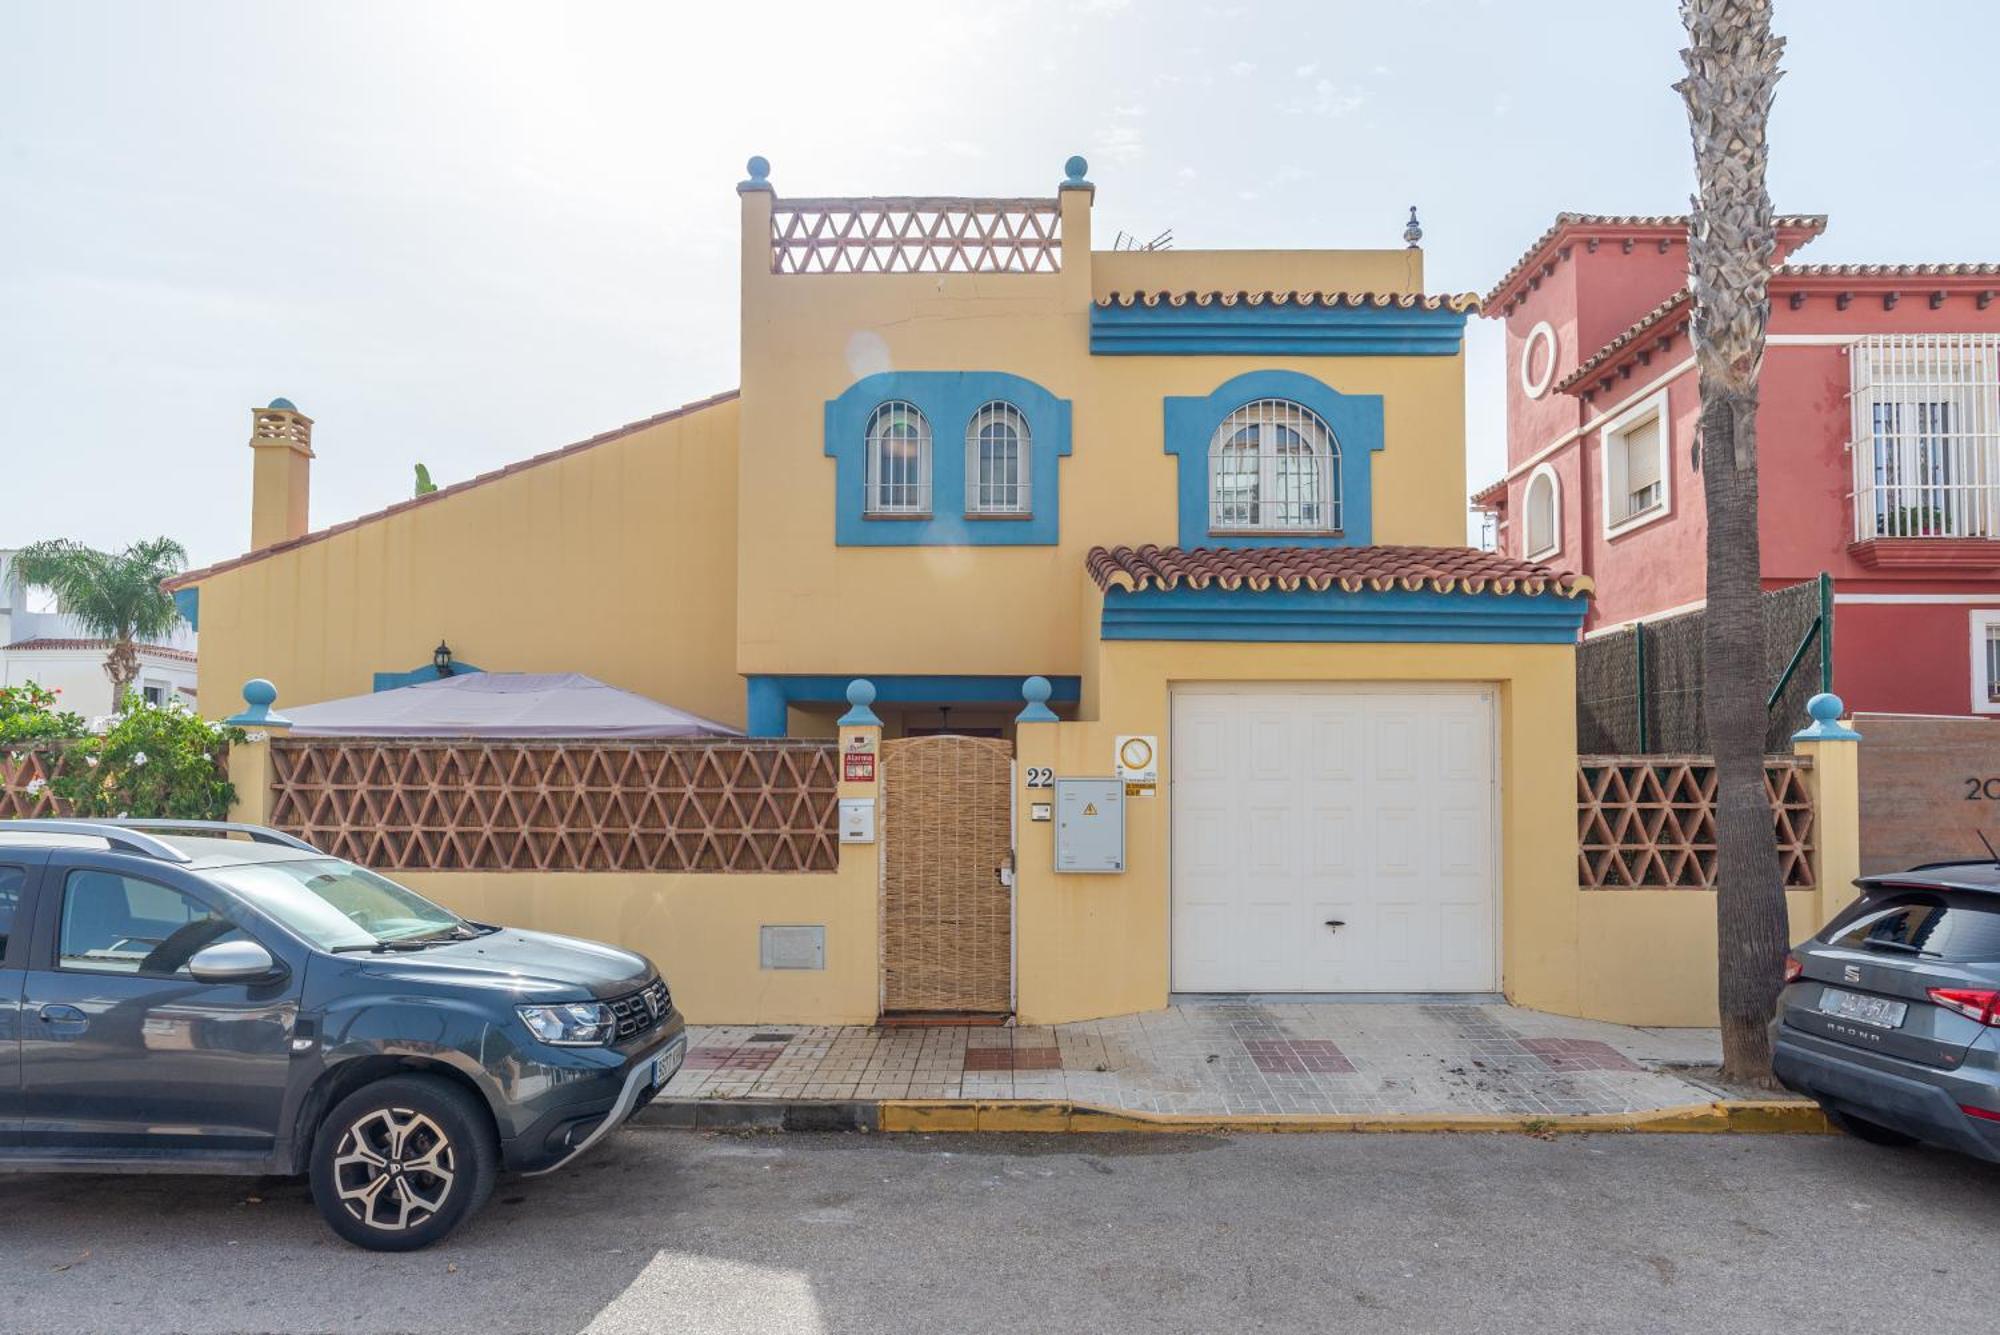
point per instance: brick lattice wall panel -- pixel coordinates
(30, 768)
(561, 806)
(1648, 822)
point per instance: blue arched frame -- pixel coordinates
(1356, 421)
(948, 400)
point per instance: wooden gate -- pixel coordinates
(947, 910)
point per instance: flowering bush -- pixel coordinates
(155, 760)
(28, 713)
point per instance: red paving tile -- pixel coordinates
(758, 1058)
(1579, 1054)
(1297, 1056)
(1013, 1059)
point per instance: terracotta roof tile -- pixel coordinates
(1382, 569)
(1667, 309)
(535, 461)
(1810, 223)
(1659, 315)
(46, 643)
(1461, 301)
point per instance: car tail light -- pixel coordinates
(1975, 1003)
(1793, 968)
(1984, 1114)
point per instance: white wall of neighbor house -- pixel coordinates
(79, 675)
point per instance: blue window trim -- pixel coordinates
(390, 681)
(1356, 420)
(1336, 616)
(767, 697)
(948, 400)
(1271, 330)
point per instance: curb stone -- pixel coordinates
(1756, 1116)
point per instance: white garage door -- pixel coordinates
(1370, 807)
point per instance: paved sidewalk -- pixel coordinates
(1225, 1059)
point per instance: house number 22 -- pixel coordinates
(1041, 776)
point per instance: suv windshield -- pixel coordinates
(339, 906)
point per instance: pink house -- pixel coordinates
(1879, 446)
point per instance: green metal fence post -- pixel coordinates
(1825, 633)
(1639, 651)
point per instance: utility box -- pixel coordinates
(857, 820)
(1090, 825)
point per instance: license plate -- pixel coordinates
(1878, 1011)
(668, 1062)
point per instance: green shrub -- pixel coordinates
(157, 760)
(28, 713)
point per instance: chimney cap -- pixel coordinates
(284, 405)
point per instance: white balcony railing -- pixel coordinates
(1926, 436)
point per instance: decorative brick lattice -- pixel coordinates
(26, 769)
(1648, 822)
(913, 235)
(561, 806)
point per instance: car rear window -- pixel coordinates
(1956, 927)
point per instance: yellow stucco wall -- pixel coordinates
(809, 606)
(702, 931)
(1099, 945)
(612, 560)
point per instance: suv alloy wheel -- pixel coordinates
(398, 1164)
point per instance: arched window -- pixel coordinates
(1274, 466)
(996, 461)
(898, 460)
(1541, 531)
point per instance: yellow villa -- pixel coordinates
(1100, 622)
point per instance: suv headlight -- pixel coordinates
(571, 1023)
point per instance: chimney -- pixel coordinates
(282, 481)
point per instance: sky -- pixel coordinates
(464, 233)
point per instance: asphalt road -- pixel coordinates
(665, 1230)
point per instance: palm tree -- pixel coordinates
(115, 595)
(1732, 75)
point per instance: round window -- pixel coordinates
(1538, 360)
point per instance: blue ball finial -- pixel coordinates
(259, 693)
(1036, 691)
(284, 405)
(1075, 168)
(860, 695)
(760, 168)
(258, 697)
(1826, 709)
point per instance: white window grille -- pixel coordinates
(1926, 436)
(898, 460)
(1541, 533)
(996, 461)
(1986, 661)
(1274, 466)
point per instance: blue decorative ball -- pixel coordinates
(258, 691)
(1076, 167)
(1826, 707)
(760, 168)
(1036, 690)
(284, 405)
(861, 692)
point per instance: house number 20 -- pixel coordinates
(1041, 776)
(1978, 788)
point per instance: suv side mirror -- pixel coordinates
(232, 962)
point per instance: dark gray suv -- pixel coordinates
(211, 998)
(1890, 1017)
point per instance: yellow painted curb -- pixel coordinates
(1767, 1116)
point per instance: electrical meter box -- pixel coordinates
(1090, 825)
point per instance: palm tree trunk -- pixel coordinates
(1732, 64)
(122, 666)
